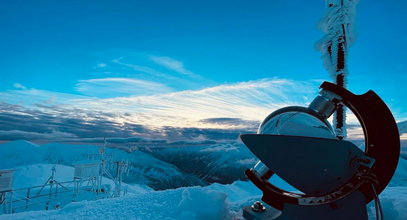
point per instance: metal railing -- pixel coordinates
(52, 195)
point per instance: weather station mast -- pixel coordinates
(334, 178)
(338, 26)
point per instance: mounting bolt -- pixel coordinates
(258, 207)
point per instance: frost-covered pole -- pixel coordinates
(337, 24)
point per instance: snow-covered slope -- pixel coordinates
(145, 169)
(38, 174)
(17, 153)
(183, 203)
(215, 201)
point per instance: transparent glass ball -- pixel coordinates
(297, 121)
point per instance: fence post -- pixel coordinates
(27, 198)
(56, 190)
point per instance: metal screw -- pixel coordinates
(258, 207)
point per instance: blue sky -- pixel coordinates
(178, 63)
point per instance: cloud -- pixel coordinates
(250, 101)
(214, 113)
(171, 64)
(26, 135)
(33, 97)
(355, 132)
(101, 65)
(17, 122)
(113, 87)
(139, 68)
(19, 86)
(175, 81)
(232, 122)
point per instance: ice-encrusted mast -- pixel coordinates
(338, 23)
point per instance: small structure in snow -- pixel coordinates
(6, 186)
(6, 180)
(87, 169)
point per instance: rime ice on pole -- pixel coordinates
(338, 26)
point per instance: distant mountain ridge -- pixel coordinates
(159, 168)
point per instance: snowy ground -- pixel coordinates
(38, 174)
(203, 203)
(182, 203)
(158, 170)
(215, 201)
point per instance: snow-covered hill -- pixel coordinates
(215, 201)
(145, 169)
(38, 174)
(18, 153)
(162, 169)
(183, 203)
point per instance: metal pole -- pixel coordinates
(337, 24)
(340, 118)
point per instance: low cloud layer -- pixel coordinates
(238, 122)
(212, 114)
(21, 123)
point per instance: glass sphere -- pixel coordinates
(297, 121)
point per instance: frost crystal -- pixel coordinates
(337, 24)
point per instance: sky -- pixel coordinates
(121, 69)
